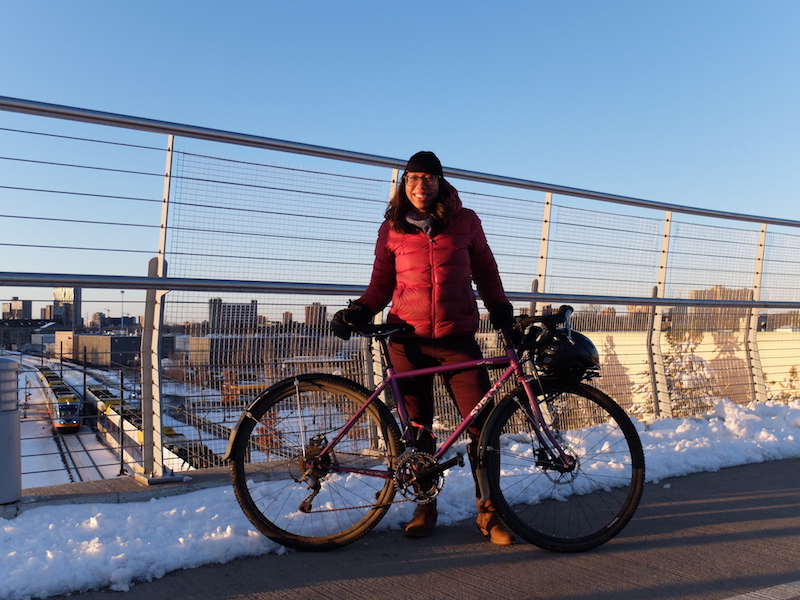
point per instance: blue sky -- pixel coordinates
(690, 102)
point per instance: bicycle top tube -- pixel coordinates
(492, 361)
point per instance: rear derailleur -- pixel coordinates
(313, 468)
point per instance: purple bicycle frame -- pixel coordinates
(391, 379)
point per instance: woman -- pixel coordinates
(429, 251)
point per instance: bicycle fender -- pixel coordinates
(247, 415)
(483, 483)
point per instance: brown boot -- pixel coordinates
(423, 521)
(490, 525)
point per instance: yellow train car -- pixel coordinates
(63, 406)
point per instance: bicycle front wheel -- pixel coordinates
(346, 492)
(564, 508)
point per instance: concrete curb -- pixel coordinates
(115, 491)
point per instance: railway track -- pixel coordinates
(88, 449)
(80, 454)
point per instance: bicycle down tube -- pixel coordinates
(392, 378)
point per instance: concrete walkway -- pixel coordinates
(708, 536)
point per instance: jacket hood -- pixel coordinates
(457, 205)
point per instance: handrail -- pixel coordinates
(46, 109)
(278, 287)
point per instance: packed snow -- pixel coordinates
(68, 548)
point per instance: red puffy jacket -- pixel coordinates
(429, 280)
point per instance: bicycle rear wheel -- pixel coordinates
(556, 508)
(345, 494)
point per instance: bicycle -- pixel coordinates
(317, 459)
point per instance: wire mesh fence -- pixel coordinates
(248, 215)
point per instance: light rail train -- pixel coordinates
(118, 422)
(63, 406)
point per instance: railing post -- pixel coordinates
(662, 406)
(152, 446)
(537, 286)
(10, 451)
(374, 359)
(152, 428)
(753, 356)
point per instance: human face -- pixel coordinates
(422, 190)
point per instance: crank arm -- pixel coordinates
(458, 459)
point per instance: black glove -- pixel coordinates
(354, 314)
(501, 316)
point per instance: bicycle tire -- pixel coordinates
(274, 435)
(564, 511)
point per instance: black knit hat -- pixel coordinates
(424, 162)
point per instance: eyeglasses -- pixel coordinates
(426, 179)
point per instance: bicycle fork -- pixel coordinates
(548, 451)
(549, 454)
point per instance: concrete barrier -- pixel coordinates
(10, 453)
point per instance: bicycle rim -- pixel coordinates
(288, 423)
(559, 509)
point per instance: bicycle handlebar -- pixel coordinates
(380, 329)
(549, 323)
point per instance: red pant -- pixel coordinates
(466, 387)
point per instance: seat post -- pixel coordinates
(383, 340)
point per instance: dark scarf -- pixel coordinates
(427, 224)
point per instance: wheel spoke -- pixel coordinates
(294, 492)
(545, 502)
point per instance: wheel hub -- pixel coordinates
(311, 465)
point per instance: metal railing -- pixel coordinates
(687, 306)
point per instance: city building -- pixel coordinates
(316, 315)
(229, 317)
(17, 309)
(66, 308)
(721, 317)
(101, 350)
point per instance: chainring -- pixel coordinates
(411, 481)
